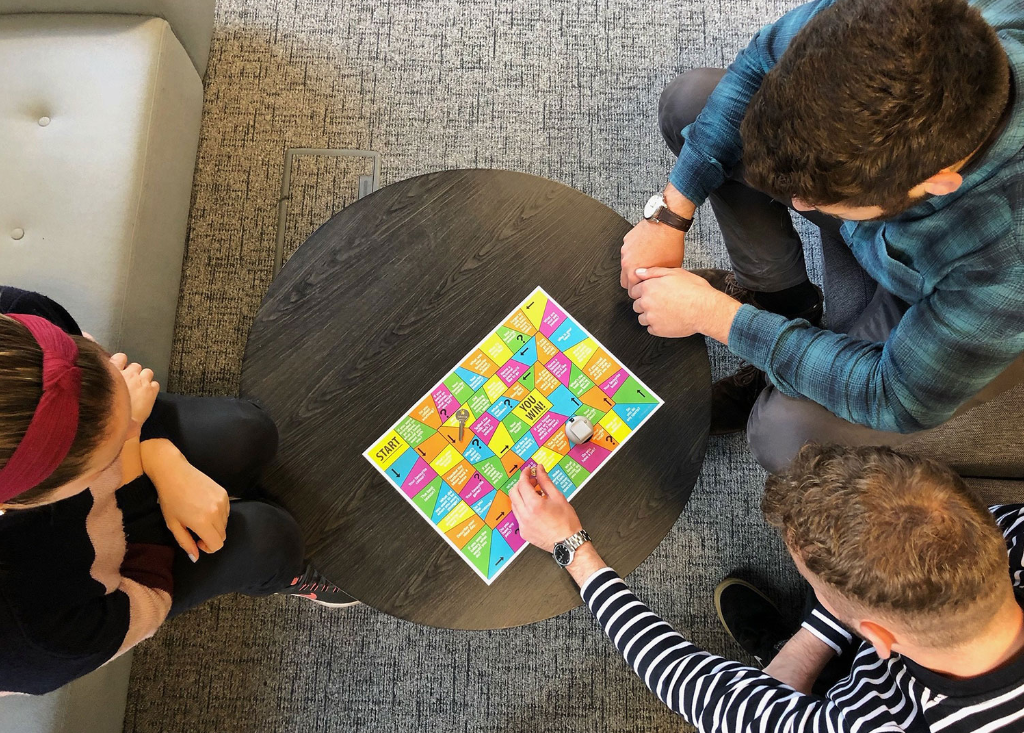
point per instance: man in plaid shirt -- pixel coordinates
(897, 126)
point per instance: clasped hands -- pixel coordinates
(670, 301)
(190, 501)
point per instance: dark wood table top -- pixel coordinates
(379, 304)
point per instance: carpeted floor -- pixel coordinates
(559, 88)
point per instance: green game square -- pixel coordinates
(413, 431)
(492, 470)
(579, 383)
(512, 339)
(592, 413)
(479, 403)
(576, 473)
(459, 389)
(516, 427)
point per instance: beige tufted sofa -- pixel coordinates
(100, 103)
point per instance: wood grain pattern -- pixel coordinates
(377, 305)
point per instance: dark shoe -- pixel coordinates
(725, 281)
(733, 397)
(751, 619)
(315, 587)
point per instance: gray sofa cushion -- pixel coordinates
(191, 20)
(985, 441)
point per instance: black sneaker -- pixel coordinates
(733, 397)
(725, 281)
(315, 587)
(751, 619)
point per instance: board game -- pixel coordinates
(455, 455)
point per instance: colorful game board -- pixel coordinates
(518, 386)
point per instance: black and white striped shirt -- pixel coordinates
(878, 696)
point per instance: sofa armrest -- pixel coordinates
(191, 20)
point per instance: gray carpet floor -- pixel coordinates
(559, 88)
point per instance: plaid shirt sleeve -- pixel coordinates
(944, 350)
(712, 143)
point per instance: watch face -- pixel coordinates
(654, 203)
(563, 555)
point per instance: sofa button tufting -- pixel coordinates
(44, 121)
(17, 233)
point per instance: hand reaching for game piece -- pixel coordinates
(545, 515)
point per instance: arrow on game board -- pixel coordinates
(606, 400)
(500, 561)
(422, 452)
(640, 393)
(503, 513)
(397, 475)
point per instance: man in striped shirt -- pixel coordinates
(899, 553)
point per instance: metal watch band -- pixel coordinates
(670, 218)
(577, 539)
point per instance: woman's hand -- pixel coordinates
(141, 386)
(545, 515)
(189, 499)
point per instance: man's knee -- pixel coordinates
(779, 426)
(682, 100)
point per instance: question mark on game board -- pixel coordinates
(476, 475)
(609, 439)
(508, 403)
(444, 413)
(521, 339)
(476, 442)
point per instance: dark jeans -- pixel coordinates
(767, 256)
(230, 440)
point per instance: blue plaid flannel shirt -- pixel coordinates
(957, 259)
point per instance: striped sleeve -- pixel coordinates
(711, 693)
(1010, 518)
(830, 630)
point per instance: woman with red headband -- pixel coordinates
(114, 511)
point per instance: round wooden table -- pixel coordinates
(386, 297)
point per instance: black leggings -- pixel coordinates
(231, 440)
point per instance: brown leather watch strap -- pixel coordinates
(672, 219)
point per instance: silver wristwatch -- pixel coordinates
(565, 550)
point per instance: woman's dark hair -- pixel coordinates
(872, 98)
(21, 386)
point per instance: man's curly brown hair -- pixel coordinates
(872, 98)
(899, 536)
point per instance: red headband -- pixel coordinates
(55, 421)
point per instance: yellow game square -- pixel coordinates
(494, 388)
(496, 349)
(455, 517)
(446, 460)
(387, 450)
(547, 458)
(533, 406)
(615, 427)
